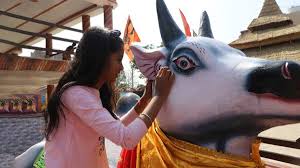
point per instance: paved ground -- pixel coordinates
(113, 153)
(289, 133)
(17, 135)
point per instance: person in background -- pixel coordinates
(68, 51)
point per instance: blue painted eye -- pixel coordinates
(184, 63)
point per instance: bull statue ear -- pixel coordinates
(170, 33)
(205, 29)
(148, 62)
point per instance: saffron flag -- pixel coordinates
(130, 36)
(185, 24)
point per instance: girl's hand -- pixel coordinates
(145, 99)
(147, 92)
(163, 83)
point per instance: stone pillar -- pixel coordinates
(108, 17)
(39, 103)
(48, 45)
(85, 22)
(50, 89)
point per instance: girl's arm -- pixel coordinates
(139, 106)
(86, 105)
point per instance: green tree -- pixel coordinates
(121, 82)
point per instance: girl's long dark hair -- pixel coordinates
(91, 56)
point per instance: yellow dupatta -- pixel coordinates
(159, 151)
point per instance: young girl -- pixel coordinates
(80, 111)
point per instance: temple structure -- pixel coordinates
(272, 35)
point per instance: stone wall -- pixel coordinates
(17, 134)
(283, 51)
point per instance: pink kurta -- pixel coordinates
(79, 139)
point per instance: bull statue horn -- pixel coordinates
(170, 33)
(205, 29)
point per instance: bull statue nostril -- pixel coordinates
(294, 70)
(285, 72)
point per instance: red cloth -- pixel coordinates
(127, 159)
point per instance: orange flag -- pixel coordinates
(130, 36)
(185, 24)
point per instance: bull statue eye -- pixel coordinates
(183, 63)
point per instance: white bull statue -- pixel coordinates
(221, 97)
